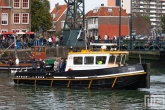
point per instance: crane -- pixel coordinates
(73, 30)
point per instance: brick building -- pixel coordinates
(140, 25)
(15, 15)
(58, 15)
(105, 20)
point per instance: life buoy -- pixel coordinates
(69, 69)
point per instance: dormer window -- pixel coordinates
(109, 9)
(95, 10)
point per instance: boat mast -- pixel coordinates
(15, 45)
(85, 40)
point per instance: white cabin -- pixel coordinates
(86, 60)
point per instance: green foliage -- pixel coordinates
(5, 54)
(40, 15)
(163, 23)
(58, 33)
(147, 18)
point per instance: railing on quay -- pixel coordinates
(137, 45)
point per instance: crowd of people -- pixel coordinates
(26, 41)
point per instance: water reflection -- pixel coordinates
(19, 97)
(62, 98)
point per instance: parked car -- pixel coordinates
(127, 37)
(143, 37)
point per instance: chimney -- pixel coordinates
(57, 7)
(102, 4)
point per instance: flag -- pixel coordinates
(79, 34)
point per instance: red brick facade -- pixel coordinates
(112, 30)
(58, 14)
(106, 20)
(8, 7)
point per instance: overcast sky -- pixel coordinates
(89, 4)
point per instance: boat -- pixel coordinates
(37, 53)
(92, 69)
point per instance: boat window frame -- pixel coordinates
(81, 61)
(103, 63)
(89, 56)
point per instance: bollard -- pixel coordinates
(145, 81)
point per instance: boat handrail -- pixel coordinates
(104, 44)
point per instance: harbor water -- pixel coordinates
(29, 97)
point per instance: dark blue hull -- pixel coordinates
(124, 77)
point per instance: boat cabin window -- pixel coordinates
(88, 60)
(38, 49)
(77, 60)
(32, 49)
(100, 60)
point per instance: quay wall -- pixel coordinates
(24, 54)
(62, 51)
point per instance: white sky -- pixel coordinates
(89, 4)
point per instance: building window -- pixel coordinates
(95, 10)
(4, 18)
(16, 18)
(16, 4)
(89, 21)
(25, 18)
(24, 30)
(109, 9)
(96, 20)
(4, 31)
(15, 30)
(25, 4)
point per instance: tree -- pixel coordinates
(58, 33)
(147, 18)
(163, 23)
(40, 15)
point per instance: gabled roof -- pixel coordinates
(59, 12)
(2, 3)
(103, 11)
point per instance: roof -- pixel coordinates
(106, 11)
(97, 52)
(59, 12)
(2, 3)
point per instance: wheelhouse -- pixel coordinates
(95, 60)
(38, 52)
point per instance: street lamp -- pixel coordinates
(130, 25)
(119, 24)
(160, 31)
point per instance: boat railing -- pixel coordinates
(104, 46)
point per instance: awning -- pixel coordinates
(7, 32)
(20, 32)
(29, 32)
